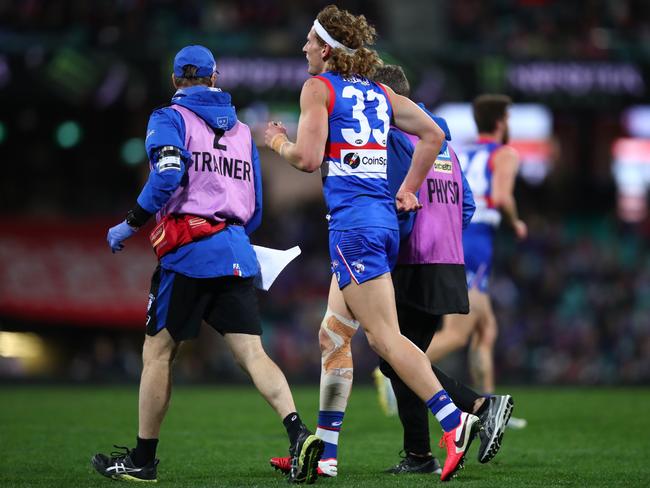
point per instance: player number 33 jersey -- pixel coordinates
(354, 165)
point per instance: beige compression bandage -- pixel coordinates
(278, 141)
(335, 337)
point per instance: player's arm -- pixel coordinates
(306, 154)
(410, 118)
(505, 165)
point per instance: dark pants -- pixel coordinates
(420, 327)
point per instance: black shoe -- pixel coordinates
(119, 466)
(494, 420)
(416, 465)
(305, 454)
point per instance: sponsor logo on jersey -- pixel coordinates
(368, 159)
(442, 166)
(352, 159)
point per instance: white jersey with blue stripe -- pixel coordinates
(476, 161)
(354, 166)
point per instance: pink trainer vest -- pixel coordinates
(437, 236)
(220, 181)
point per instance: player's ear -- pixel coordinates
(174, 81)
(213, 79)
(326, 52)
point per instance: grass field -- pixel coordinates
(224, 436)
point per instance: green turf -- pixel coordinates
(224, 436)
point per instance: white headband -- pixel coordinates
(324, 35)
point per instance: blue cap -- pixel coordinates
(198, 56)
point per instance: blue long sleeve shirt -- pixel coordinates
(228, 252)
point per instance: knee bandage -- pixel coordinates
(335, 338)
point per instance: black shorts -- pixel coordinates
(179, 303)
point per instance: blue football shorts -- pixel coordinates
(478, 249)
(362, 254)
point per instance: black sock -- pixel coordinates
(293, 424)
(414, 416)
(144, 452)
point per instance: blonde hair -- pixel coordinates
(354, 32)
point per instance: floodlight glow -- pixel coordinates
(459, 119)
(631, 169)
(527, 121)
(20, 345)
(68, 134)
(636, 120)
(530, 121)
(133, 151)
(530, 126)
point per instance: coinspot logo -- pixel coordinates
(352, 159)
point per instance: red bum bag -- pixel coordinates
(174, 231)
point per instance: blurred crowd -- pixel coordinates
(253, 26)
(551, 29)
(572, 303)
(593, 29)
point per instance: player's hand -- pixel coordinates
(406, 201)
(521, 229)
(273, 129)
(119, 233)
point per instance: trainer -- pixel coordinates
(205, 188)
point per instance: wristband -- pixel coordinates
(137, 216)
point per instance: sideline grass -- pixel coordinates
(223, 437)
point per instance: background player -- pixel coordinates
(343, 130)
(490, 166)
(205, 184)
